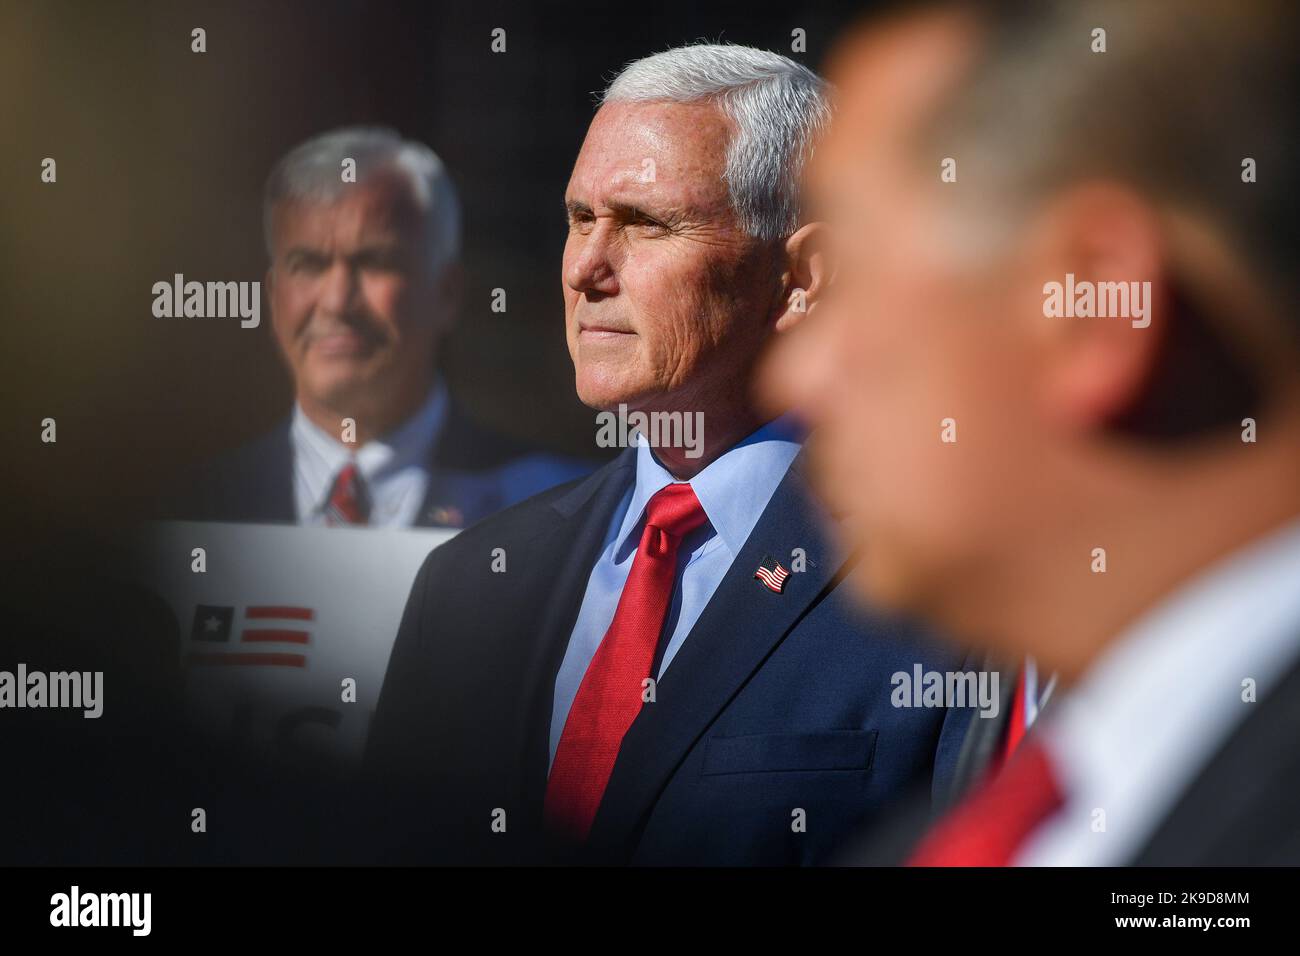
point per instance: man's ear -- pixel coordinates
(1106, 303)
(808, 268)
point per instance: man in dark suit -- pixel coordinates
(472, 472)
(1092, 295)
(656, 664)
(363, 232)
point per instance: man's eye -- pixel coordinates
(647, 222)
(381, 262)
(305, 264)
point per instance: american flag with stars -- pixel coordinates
(773, 578)
(276, 624)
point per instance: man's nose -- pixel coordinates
(592, 268)
(339, 287)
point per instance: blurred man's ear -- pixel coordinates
(1098, 253)
(808, 269)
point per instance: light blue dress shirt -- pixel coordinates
(733, 490)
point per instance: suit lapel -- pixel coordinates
(453, 499)
(739, 628)
(984, 736)
(572, 542)
(443, 504)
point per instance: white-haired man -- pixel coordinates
(363, 234)
(655, 665)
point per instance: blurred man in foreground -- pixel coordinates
(657, 665)
(1057, 392)
(363, 232)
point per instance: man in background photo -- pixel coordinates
(363, 231)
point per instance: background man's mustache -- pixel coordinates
(367, 328)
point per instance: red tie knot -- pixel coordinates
(347, 477)
(675, 510)
(348, 501)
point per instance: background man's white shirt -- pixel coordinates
(395, 468)
(1134, 733)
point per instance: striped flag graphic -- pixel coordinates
(277, 625)
(772, 578)
(266, 624)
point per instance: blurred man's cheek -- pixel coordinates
(285, 324)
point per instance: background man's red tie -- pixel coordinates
(1016, 723)
(988, 827)
(609, 697)
(348, 502)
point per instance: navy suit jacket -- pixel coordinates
(775, 710)
(474, 473)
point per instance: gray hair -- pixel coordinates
(312, 171)
(778, 106)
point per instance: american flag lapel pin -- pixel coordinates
(772, 575)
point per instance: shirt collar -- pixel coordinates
(733, 490)
(411, 442)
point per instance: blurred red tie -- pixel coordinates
(989, 827)
(609, 697)
(348, 502)
(1016, 722)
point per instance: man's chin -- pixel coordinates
(339, 390)
(606, 394)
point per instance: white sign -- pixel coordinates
(285, 631)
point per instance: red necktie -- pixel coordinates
(348, 503)
(1016, 723)
(989, 826)
(609, 697)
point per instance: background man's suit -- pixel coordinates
(1243, 809)
(775, 703)
(474, 472)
